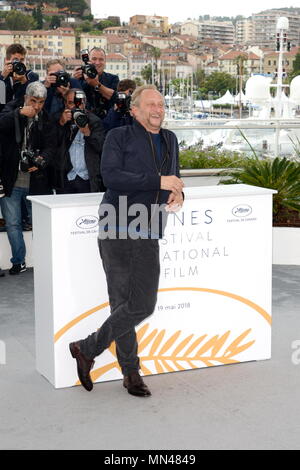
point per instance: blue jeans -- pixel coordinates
(11, 208)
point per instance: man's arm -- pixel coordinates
(95, 139)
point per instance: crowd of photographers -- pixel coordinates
(52, 133)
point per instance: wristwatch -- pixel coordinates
(97, 87)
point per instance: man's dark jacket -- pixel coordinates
(17, 90)
(92, 152)
(130, 167)
(55, 101)
(43, 138)
(109, 80)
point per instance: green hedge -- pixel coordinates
(191, 159)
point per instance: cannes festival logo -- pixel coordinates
(87, 222)
(242, 210)
(172, 349)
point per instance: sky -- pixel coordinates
(177, 10)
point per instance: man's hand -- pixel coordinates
(86, 131)
(78, 74)
(50, 80)
(19, 78)
(65, 117)
(63, 89)
(32, 169)
(175, 202)
(171, 183)
(7, 70)
(28, 111)
(92, 81)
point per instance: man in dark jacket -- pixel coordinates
(101, 90)
(17, 81)
(28, 144)
(140, 164)
(57, 82)
(119, 115)
(80, 142)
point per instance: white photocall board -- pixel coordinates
(214, 298)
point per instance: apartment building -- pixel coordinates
(57, 41)
(117, 30)
(271, 61)
(149, 24)
(228, 62)
(156, 41)
(244, 31)
(264, 27)
(117, 64)
(221, 31)
(88, 41)
(136, 62)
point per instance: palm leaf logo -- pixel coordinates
(176, 353)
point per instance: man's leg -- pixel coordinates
(11, 209)
(132, 269)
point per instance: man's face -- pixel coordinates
(70, 102)
(55, 68)
(36, 103)
(151, 110)
(16, 56)
(98, 59)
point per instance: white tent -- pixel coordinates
(225, 99)
(243, 98)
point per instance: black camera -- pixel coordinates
(62, 79)
(79, 116)
(123, 102)
(30, 158)
(18, 67)
(88, 69)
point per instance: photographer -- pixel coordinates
(57, 82)
(120, 114)
(28, 144)
(80, 142)
(100, 91)
(14, 74)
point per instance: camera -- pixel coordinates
(62, 79)
(30, 158)
(123, 102)
(18, 67)
(79, 116)
(88, 69)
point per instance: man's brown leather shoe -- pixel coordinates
(135, 385)
(84, 365)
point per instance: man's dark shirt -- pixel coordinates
(17, 90)
(95, 101)
(55, 102)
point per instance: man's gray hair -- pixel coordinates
(37, 90)
(135, 98)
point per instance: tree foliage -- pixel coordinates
(16, 21)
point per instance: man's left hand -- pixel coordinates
(19, 78)
(86, 131)
(175, 202)
(92, 81)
